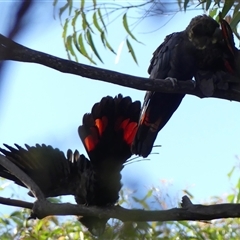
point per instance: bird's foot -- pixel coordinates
(172, 80)
(205, 82)
(209, 81)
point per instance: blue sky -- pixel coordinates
(41, 105)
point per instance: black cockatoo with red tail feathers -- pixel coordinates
(199, 51)
(107, 134)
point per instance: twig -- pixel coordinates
(23, 177)
(10, 50)
(186, 202)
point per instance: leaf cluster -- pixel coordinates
(87, 26)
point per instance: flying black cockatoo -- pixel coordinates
(198, 51)
(107, 134)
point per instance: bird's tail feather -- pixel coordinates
(156, 112)
(108, 131)
(107, 134)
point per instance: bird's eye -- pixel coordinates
(199, 30)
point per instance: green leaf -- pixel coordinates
(148, 195)
(39, 225)
(75, 42)
(55, 199)
(185, 4)
(238, 195)
(101, 18)
(85, 23)
(213, 12)
(208, 4)
(77, 13)
(180, 4)
(141, 202)
(83, 50)
(105, 42)
(226, 7)
(62, 9)
(125, 24)
(70, 3)
(236, 9)
(231, 172)
(94, 4)
(64, 34)
(55, 3)
(91, 44)
(130, 49)
(82, 5)
(230, 198)
(70, 47)
(95, 22)
(235, 20)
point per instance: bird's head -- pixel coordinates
(204, 32)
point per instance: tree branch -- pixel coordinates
(10, 50)
(16, 203)
(188, 211)
(23, 177)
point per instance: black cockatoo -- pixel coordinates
(234, 61)
(198, 49)
(107, 134)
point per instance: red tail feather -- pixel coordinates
(108, 131)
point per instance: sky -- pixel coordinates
(199, 145)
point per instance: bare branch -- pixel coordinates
(23, 177)
(16, 203)
(190, 212)
(10, 50)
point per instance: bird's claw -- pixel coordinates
(172, 80)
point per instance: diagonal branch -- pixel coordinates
(10, 50)
(23, 177)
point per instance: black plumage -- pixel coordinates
(198, 51)
(107, 134)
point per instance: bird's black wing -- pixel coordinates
(48, 167)
(198, 51)
(169, 60)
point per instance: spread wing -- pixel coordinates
(48, 167)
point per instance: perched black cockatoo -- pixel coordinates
(107, 134)
(183, 55)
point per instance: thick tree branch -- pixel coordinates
(10, 50)
(23, 177)
(188, 212)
